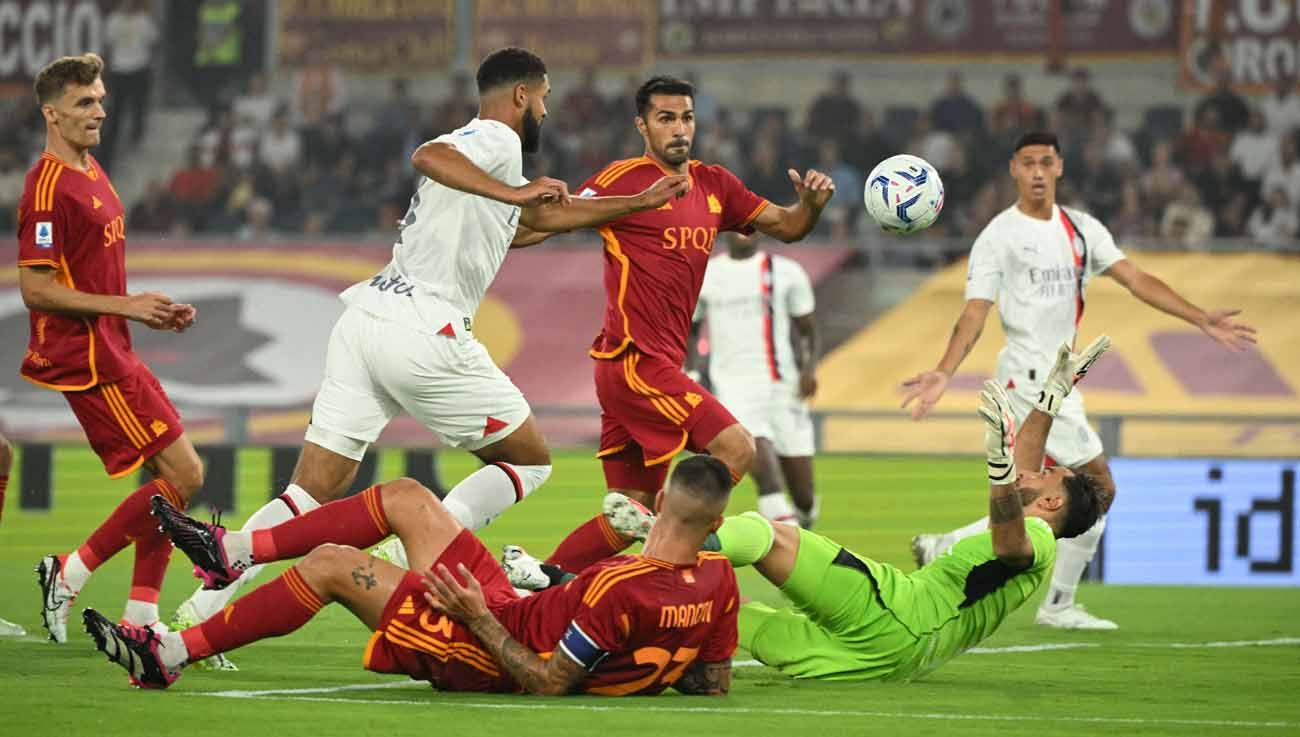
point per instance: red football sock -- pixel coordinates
(273, 610)
(131, 520)
(592, 542)
(151, 556)
(4, 484)
(358, 521)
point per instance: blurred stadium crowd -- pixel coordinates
(266, 165)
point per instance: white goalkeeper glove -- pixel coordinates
(1069, 369)
(999, 433)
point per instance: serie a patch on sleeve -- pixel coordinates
(45, 234)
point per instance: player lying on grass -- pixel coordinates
(856, 619)
(631, 625)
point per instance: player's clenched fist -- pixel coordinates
(814, 188)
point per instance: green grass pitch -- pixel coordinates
(1135, 681)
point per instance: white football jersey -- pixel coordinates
(1037, 271)
(450, 244)
(748, 304)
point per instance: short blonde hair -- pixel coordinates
(80, 70)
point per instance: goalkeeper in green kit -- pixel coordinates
(856, 619)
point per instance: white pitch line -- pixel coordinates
(640, 707)
(310, 694)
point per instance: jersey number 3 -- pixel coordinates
(660, 659)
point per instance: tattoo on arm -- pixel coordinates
(555, 676)
(365, 576)
(1005, 508)
(705, 679)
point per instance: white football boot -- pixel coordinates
(1073, 617)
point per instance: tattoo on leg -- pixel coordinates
(363, 576)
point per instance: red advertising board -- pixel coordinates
(1257, 41)
(569, 33)
(382, 36)
(749, 27)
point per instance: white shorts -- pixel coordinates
(1072, 441)
(375, 368)
(774, 412)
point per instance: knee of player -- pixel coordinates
(407, 494)
(326, 562)
(187, 479)
(743, 452)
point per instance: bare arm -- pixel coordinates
(807, 344)
(1006, 507)
(930, 385)
(584, 212)
(556, 676)
(445, 165)
(525, 237)
(705, 679)
(43, 290)
(1152, 290)
(789, 224)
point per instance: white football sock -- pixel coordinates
(172, 651)
(489, 491)
(776, 508)
(75, 573)
(949, 539)
(208, 603)
(1072, 556)
(140, 613)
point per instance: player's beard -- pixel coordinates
(532, 142)
(676, 156)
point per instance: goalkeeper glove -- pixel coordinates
(1068, 370)
(999, 433)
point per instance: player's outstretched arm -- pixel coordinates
(705, 679)
(445, 165)
(789, 224)
(554, 677)
(1006, 510)
(929, 386)
(43, 291)
(585, 212)
(1218, 324)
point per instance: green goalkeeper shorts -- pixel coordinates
(837, 630)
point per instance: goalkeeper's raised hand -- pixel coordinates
(999, 433)
(1069, 369)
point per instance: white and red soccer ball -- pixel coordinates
(904, 194)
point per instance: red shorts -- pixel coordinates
(127, 421)
(650, 412)
(415, 640)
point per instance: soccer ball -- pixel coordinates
(904, 194)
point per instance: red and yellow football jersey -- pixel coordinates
(72, 221)
(655, 260)
(634, 622)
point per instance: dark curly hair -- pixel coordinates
(510, 65)
(1083, 504)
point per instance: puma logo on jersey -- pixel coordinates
(693, 399)
(95, 203)
(715, 207)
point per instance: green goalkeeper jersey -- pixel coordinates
(961, 597)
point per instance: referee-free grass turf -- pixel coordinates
(1154, 676)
